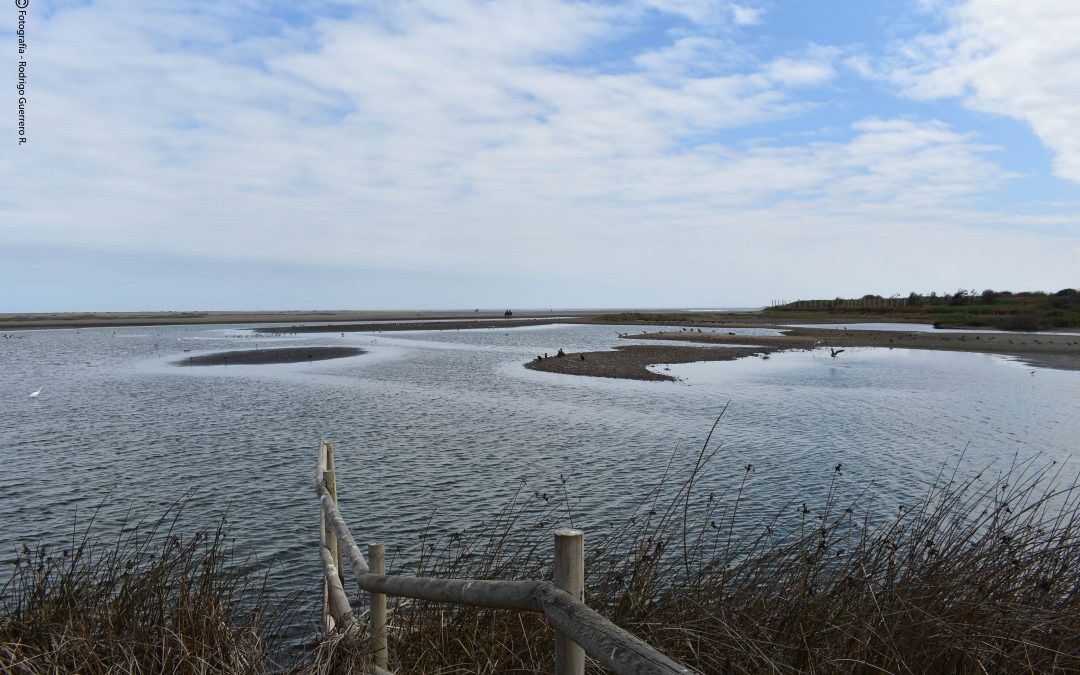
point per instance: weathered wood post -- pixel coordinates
(329, 539)
(337, 555)
(569, 576)
(325, 531)
(377, 563)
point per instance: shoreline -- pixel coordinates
(629, 362)
(61, 320)
(392, 325)
(1060, 352)
(1056, 351)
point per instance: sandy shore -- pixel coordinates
(389, 326)
(247, 357)
(628, 362)
(117, 319)
(1048, 351)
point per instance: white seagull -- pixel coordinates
(36, 393)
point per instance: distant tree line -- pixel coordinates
(1025, 310)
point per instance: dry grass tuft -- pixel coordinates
(150, 601)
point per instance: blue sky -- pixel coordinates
(352, 155)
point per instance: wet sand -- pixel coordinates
(1047, 351)
(248, 357)
(628, 362)
(391, 326)
(29, 320)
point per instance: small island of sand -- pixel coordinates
(249, 357)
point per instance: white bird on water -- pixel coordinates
(36, 393)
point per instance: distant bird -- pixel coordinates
(36, 393)
(835, 352)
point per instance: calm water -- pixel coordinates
(445, 425)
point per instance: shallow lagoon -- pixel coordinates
(443, 426)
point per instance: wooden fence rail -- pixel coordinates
(578, 629)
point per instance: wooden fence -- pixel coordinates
(578, 629)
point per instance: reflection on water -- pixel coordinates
(444, 425)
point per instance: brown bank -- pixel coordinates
(1047, 351)
(629, 362)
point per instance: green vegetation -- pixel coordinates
(981, 575)
(964, 308)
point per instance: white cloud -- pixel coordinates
(451, 136)
(1018, 59)
(799, 73)
(698, 11)
(747, 16)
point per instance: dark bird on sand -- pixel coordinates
(834, 352)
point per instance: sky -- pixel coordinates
(317, 154)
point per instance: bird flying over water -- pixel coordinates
(835, 351)
(36, 393)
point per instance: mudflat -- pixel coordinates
(391, 325)
(1036, 349)
(16, 321)
(629, 362)
(248, 357)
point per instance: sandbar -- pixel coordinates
(1061, 352)
(629, 362)
(248, 357)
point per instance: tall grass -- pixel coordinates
(980, 575)
(149, 600)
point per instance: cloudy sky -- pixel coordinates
(536, 153)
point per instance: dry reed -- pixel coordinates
(151, 600)
(981, 575)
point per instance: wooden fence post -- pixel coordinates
(569, 576)
(377, 564)
(331, 486)
(324, 531)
